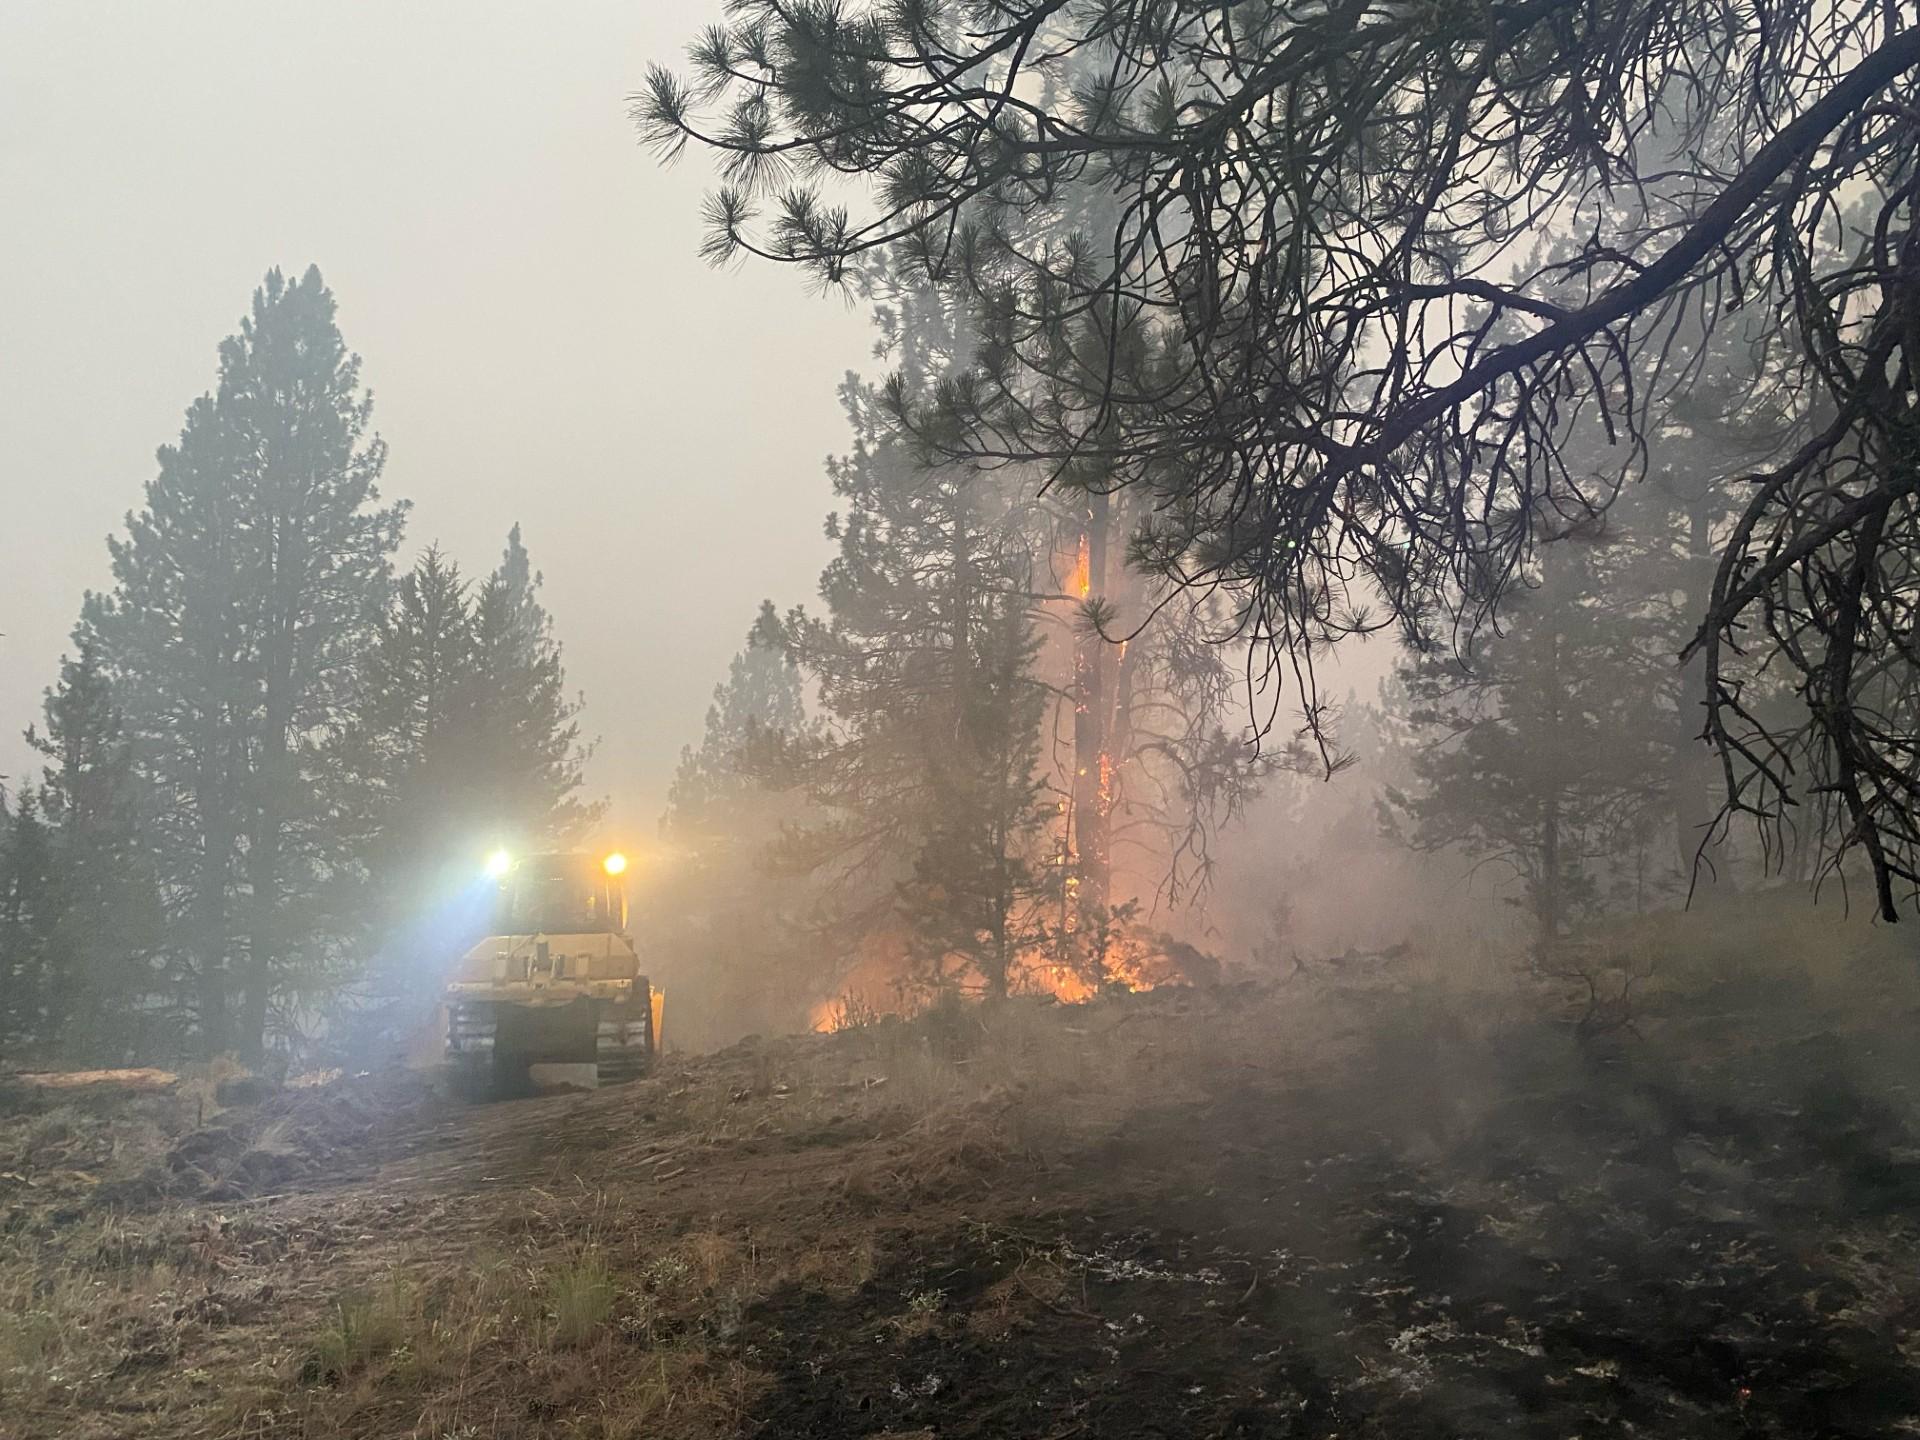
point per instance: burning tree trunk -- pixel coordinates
(1091, 881)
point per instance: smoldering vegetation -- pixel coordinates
(1380, 1199)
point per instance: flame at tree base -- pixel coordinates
(885, 984)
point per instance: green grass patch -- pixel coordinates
(579, 1299)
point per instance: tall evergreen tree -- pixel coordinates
(417, 819)
(1542, 749)
(734, 932)
(982, 861)
(409, 740)
(1136, 758)
(29, 912)
(921, 660)
(170, 635)
(761, 698)
(244, 592)
(463, 731)
(462, 737)
(528, 752)
(520, 582)
(104, 909)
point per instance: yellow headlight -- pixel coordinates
(498, 864)
(615, 864)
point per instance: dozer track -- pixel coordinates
(493, 1044)
(623, 1042)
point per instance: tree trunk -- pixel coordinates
(209, 906)
(1000, 960)
(1691, 781)
(272, 780)
(263, 867)
(1092, 742)
(1549, 899)
(1547, 902)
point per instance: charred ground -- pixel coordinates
(1375, 1207)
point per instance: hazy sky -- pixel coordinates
(517, 273)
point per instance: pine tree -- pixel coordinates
(1148, 771)
(244, 592)
(463, 732)
(29, 909)
(170, 636)
(1138, 759)
(462, 738)
(416, 819)
(521, 583)
(761, 698)
(981, 860)
(411, 718)
(408, 746)
(734, 932)
(529, 759)
(1540, 751)
(921, 660)
(105, 921)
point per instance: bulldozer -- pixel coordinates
(554, 996)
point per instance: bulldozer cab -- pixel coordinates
(567, 894)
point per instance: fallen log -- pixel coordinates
(144, 1079)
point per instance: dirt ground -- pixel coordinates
(1323, 1210)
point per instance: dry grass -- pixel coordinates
(60, 1325)
(567, 1310)
(579, 1296)
(602, 1343)
(834, 1269)
(597, 1267)
(365, 1326)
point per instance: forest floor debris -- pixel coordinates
(1291, 1212)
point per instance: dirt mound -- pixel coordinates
(292, 1136)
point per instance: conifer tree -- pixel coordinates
(407, 742)
(527, 750)
(921, 660)
(463, 730)
(1541, 749)
(520, 582)
(416, 818)
(761, 698)
(462, 738)
(170, 635)
(1146, 753)
(735, 932)
(981, 861)
(104, 910)
(244, 592)
(28, 911)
